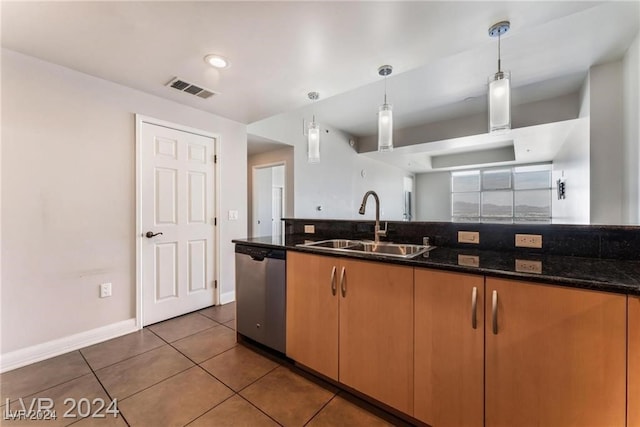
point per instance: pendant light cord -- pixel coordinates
(499, 53)
(497, 30)
(385, 89)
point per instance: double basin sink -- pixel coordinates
(400, 250)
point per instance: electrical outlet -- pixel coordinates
(528, 266)
(529, 241)
(469, 237)
(310, 229)
(105, 290)
(469, 260)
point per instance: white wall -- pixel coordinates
(433, 196)
(631, 94)
(68, 197)
(606, 139)
(572, 164)
(342, 177)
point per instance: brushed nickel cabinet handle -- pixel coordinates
(474, 308)
(343, 285)
(494, 312)
(333, 280)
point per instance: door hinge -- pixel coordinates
(215, 221)
(215, 284)
(215, 158)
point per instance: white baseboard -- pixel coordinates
(227, 297)
(36, 353)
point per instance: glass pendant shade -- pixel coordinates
(500, 102)
(385, 128)
(313, 140)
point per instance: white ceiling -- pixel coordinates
(279, 51)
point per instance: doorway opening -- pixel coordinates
(267, 200)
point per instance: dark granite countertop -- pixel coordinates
(619, 276)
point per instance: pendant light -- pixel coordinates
(313, 135)
(385, 116)
(499, 88)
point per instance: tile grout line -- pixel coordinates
(209, 410)
(189, 335)
(162, 380)
(210, 318)
(193, 361)
(195, 364)
(320, 410)
(260, 410)
(229, 349)
(237, 393)
(164, 342)
(234, 393)
(227, 385)
(103, 388)
(52, 386)
(126, 358)
(258, 379)
(159, 382)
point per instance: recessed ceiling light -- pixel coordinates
(217, 61)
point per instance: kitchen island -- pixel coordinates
(465, 336)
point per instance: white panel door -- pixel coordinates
(262, 188)
(276, 215)
(177, 207)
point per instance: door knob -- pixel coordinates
(151, 234)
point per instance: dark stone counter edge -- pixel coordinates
(622, 277)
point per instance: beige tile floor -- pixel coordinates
(185, 371)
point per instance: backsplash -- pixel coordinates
(592, 241)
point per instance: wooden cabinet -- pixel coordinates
(374, 304)
(633, 360)
(376, 332)
(449, 348)
(536, 355)
(312, 312)
(557, 356)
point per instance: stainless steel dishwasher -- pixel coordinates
(261, 295)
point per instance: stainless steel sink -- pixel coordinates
(400, 250)
(333, 243)
(394, 249)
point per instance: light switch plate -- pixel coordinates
(529, 241)
(468, 237)
(233, 215)
(310, 229)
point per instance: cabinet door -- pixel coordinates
(312, 312)
(376, 332)
(558, 357)
(633, 359)
(449, 348)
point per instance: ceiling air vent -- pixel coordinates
(187, 87)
